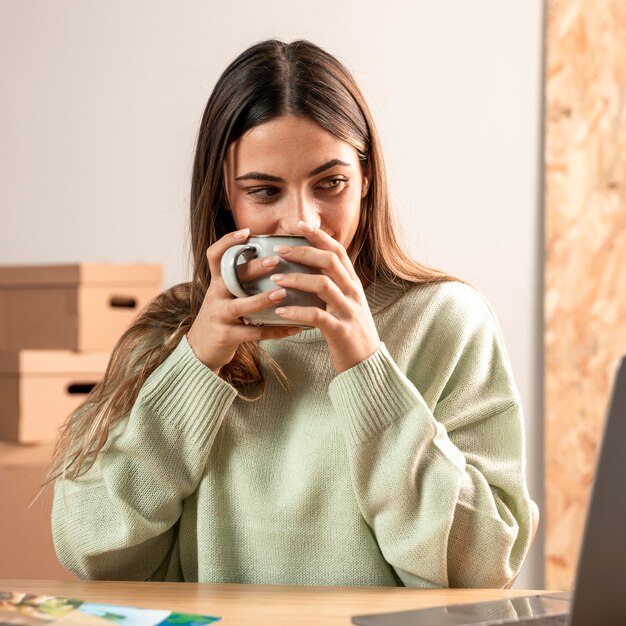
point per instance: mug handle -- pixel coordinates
(228, 266)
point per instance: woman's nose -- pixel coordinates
(299, 211)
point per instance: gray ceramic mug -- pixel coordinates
(260, 246)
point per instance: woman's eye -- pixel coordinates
(263, 193)
(333, 183)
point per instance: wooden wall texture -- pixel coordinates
(585, 242)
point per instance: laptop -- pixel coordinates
(599, 596)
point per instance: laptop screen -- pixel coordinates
(599, 596)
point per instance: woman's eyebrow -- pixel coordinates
(260, 176)
(276, 179)
(327, 166)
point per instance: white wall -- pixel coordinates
(101, 102)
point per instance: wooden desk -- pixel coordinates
(260, 605)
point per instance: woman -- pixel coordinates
(382, 446)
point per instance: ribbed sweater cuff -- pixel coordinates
(372, 394)
(189, 395)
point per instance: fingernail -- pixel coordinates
(281, 310)
(304, 227)
(268, 261)
(277, 277)
(241, 234)
(282, 249)
(279, 294)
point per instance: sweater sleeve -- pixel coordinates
(118, 520)
(440, 479)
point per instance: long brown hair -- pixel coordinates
(267, 80)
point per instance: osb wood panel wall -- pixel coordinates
(585, 273)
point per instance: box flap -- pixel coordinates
(51, 362)
(83, 273)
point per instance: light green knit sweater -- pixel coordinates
(407, 468)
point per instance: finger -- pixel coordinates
(324, 260)
(309, 316)
(215, 252)
(322, 240)
(256, 268)
(319, 284)
(241, 307)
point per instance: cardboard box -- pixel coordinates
(26, 547)
(84, 306)
(40, 388)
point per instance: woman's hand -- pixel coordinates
(218, 330)
(347, 322)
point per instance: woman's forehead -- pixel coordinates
(288, 143)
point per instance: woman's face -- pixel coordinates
(291, 169)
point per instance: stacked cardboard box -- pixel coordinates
(58, 325)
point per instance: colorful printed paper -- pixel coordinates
(23, 609)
